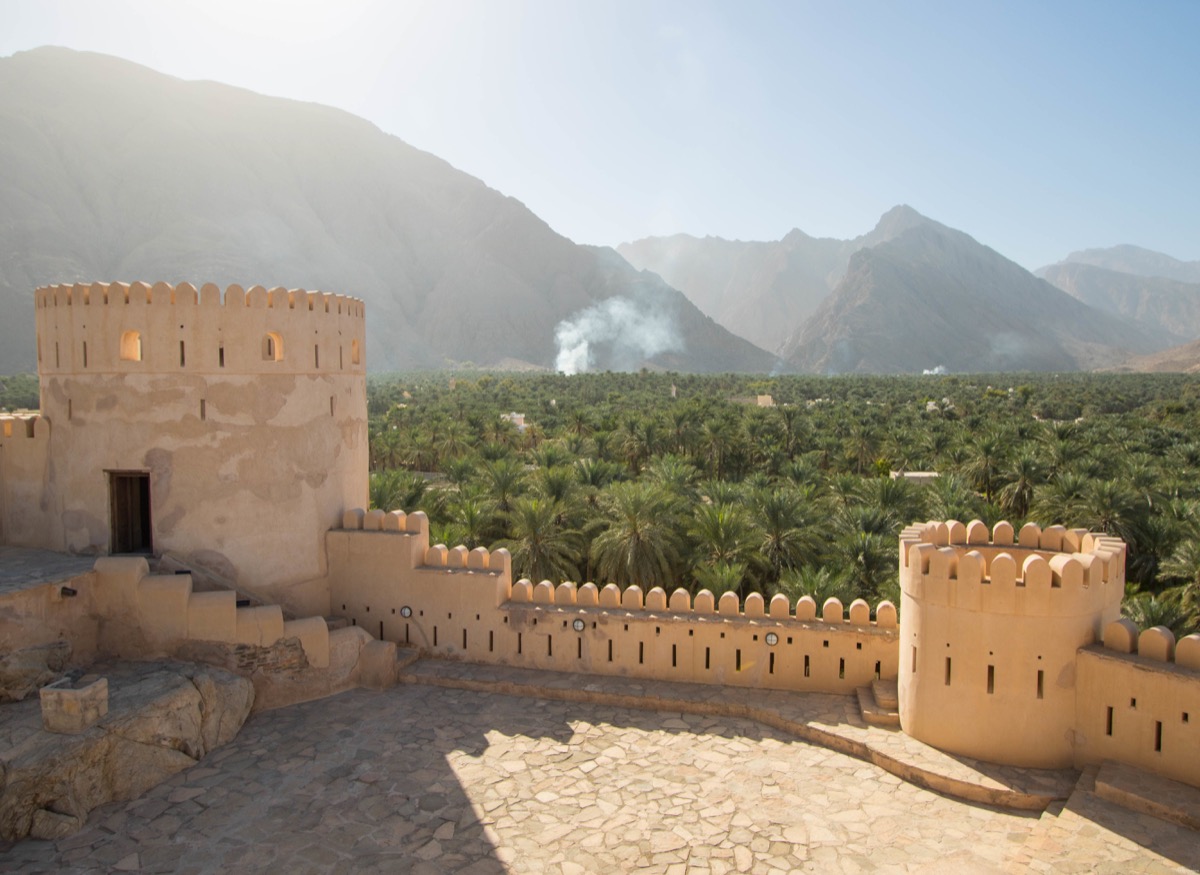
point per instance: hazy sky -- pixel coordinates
(1037, 127)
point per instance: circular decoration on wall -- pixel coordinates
(578, 624)
(406, 611)
(772, 639)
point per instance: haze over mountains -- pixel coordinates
(114, 171)
(911, 295)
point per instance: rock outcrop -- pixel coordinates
(163, 717)
(26, 671)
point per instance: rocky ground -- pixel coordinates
(426, 780)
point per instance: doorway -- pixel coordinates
(129, 511)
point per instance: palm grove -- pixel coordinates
(676, 480)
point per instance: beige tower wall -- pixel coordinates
(989, 631)
(247, 411)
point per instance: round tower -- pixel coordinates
(989, 627)
(228, 430)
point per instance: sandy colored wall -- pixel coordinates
(251, 458)
(26, 518)
(990, 627)
(1138, 702)
(463, 605)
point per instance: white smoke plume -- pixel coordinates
(630, 332)
(938, 371)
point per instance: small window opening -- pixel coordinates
(519, 643)
(858, 645)
(878, 670)
(272, 347)
(204, 415)
(381, 630)
(70, 409)
(807, 671)
(579, 648)
(1041, 684)
(737, 659)
(674, 662)
(707, 658)
(947, 671)
(464, 639)
(771, 663)
(1133, 703)
(992, 680)
(331, 400)
(355, 353)
(341, 359)
(1185, 716)
(435, 636)
(1108, 723)
(610, 650)
(549, 645)
(221, 356)
(56, 360)
(131, 347)
(914, 659)
(641, 652)
(182, 355)
(85, 353)
(1158, 736)
(842, 669)
(316, 356)
(491, 641)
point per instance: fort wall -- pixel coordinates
(246, 410)
(990, 626)
(1138, 702)
(462, 604)
(25, 516)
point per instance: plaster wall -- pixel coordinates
(989, 635)
(248, 412)
(462, 605)
(25, 504)
(1140, 710)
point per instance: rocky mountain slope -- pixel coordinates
(1137, 261)
(933, 297)
(760, 290)
(1182, 359)
(114, 171)
(1161, 304)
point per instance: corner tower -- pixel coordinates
(989, 628)
(226, 430)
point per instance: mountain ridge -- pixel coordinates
(121, 172)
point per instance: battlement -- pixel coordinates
(23, 426)
(681, 605)
(138, 327)
(1051, 571)
(1156, 643)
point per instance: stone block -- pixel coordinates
(70, 707)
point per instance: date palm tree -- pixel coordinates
(641, 542)
(542, 549)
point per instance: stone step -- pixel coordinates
(406, 656)
(886, 694)
(1148, 793)
(873, 713)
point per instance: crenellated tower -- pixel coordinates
(227, 429)
(990, 624)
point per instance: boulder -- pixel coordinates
(162, 718)
(26, 671)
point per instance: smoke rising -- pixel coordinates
(625, 332)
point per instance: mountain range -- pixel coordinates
(114, 171)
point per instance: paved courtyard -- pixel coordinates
(425, 780)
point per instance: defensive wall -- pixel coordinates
(246, 411)
(462, 604)
(1138, 701)
(991, 623)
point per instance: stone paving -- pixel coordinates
(424, 780)
(22, 568)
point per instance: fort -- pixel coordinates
(207, 452)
